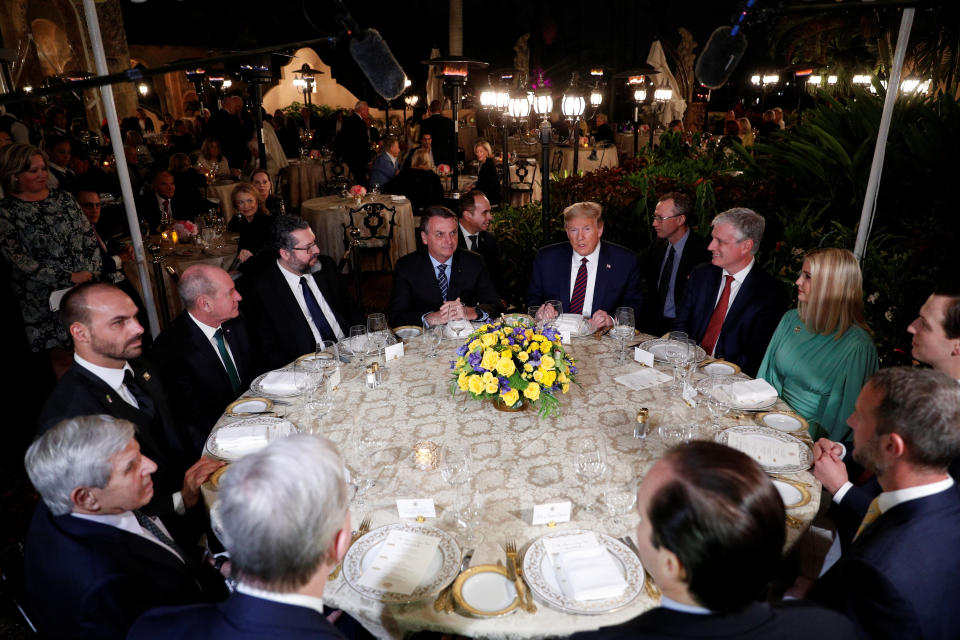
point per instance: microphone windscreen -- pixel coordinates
(720, 57)
(375, 59)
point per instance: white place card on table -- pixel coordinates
(401, 562)
(551, 512)
(393, 352)
(416, 507)
(643, 379)
(564, 337)
(562, 544)
(766, 451)
(643, 357)
(333, 379)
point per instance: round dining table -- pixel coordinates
(519, 460)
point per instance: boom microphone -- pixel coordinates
(375, 59)
(720, 56)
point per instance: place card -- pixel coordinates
(643, 357)
(564, 337)
(561, 544)
(551, 512)
(333, 379)
(766, 451)
(401, 562)
(393, 352)
(643, 379)
(415, 508)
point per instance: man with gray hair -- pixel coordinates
(94, 562)
(205, 355)
(285, 532)
(732, 306)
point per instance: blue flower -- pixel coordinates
(474, 360)
(462, 351)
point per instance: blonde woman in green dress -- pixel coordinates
(821, 353)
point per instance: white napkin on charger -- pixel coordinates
(588, 574)
(643, 379)
(752, 392)
(239, 440)
(279, 382)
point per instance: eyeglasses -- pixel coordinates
(657, 219)
(309, 247)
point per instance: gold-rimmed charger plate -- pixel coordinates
(793, 493)
(720, 368)
(782, 421)
(485, 591)
(408, 332)
(248, 406)
(214, 479)
(323, 355)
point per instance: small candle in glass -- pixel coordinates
(425, 455)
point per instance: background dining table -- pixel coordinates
(221, 191)
(519, 460)
(305, 177)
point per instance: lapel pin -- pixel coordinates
(146, 376)
(109, 399)
(608, 266)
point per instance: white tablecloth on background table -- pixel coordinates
(222, 191)
(606, 157)
(305, 178)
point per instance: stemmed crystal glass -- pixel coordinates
(675, 351)
(590, 463)
(711, 390)
(368, 442)
(619, 500)
(432, 336)
(377, 330)
(325, 361)
(456, 468)
(457, 321)
(550, 312)
(624, 324)
(359, 344)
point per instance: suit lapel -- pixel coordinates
(605, 274)
(428, 276)
(744, 298)
(289, 312)
(204, 352)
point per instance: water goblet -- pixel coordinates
(624, 324)
(619, 500)
(358, 344)
(712, 389)
(590, 463)
(431, 337)
(456, 469)
(550, 312)
(377, 330)
(674, 352)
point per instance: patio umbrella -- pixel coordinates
(434, 80)
(674, 109)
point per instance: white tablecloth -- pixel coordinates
(306, 176)
(328, 214)
(222, 191)
(605, 157)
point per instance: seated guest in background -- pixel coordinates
(280, 569)
(487, 179)
(135, 139)
(426, 143)
(418, 183)
(603, 132)
(211, 160)
(674, 254)
(431, 282)
(587, 275)
(162, 201)
(746, 131)
(94, 562)
(108, 377)
(205, 355)
(768, 124)
(711, 535)
(385, 166)
(300, 300)
(936, 332)
(274, 204)
(89, 175)
(822, 353)
(732, 307)
(252, 221)
(60, 175)
(190, 185)
(475, 220)
(891, 579)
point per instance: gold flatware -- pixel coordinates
(793, 522)
(511, 549)
(361, 531)
(528, 597)
(444, 601)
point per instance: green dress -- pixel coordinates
(818, 376)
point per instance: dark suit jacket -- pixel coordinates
(161, 438)
(694, 253)
(618, 282)
(384, 170)
(423, 188)
(239, 616)
(490, 251)
(897, 579)
(90, 580)
(282, 331)
(353, 145)
(444, 142)
(789, 621)
(416, 292)
(192, 371)
(489, 182)
(148, 208)
(750, 321)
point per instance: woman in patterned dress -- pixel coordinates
(48, 243)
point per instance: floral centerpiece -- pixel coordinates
(185, 229)
(443, 169)
(357, 192)
(512, 363)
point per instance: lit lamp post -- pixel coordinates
(543, 106)
(196, 76)
(306, 81)
(454, 70)
(572, 105)
(411, 101)
(765, 82)
(518, 108)
(219, 83)
(638, 86)
(660, 98)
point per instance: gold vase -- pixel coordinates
(500, 405)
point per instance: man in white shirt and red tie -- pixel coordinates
(732, 306)
(162, 202)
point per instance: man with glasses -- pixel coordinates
(299, 302)
(674, 254)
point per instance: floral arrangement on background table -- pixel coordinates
(443, 169)
(357, 192)
(512, 364)
(185, 229)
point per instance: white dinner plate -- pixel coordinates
(782, 421)
(248, 405)
(766, 436)
(408, 332)
(237, 439)
(540, 576)
(658, 346)
(485, 591)
(720, 368)
(441, 571)
(257, 387)
(793, 494)
(721, 392)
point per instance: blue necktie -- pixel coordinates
(442, 281)
(319, 320)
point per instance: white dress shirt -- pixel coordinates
(128, 522)
(738, 279)
(673, 605)
(294, 281)
(295, 599)
(209, 332)
(592, 260)
(467, 235)
(113, 378)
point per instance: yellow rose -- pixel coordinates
(462, 381)
(475, 384)
(488, 339)
(548, 378)
(528, 367)
(492, 386)
(474, 345)
(528, 333)
(523, 356)
(515, 348)
(562, 377)
(546, 348)
(459, 363)
(547, 362)
(565, 387)
(537, 375)
(532, 391)
(510, 397)
(487, 377)
(506, 367)
(490, 359)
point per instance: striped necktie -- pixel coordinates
(579, 288)
(442, 281)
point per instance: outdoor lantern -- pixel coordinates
(663, 95)
(861, 78)
(502, 99)
(596, 98)
(832, 79)
(143, 89)
(639, 95)
(488, 97)
(519, 106)
(815, 80)
(755, 79)
(771, 79)
(411, 100)
(306, 81)
(572, 105)
(227, 83)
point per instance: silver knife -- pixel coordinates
(465, 563)
(627, 540)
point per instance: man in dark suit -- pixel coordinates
(586, 275)
(385, 167)
(426, 143)
(711, 535)
(732, 307)
(475, 218)
(443, 133)
(299, 301)
(677, 250)
(353, 142)
(162, 201)
(280, 569)
(205, 355)
(439, 278)
(892, 577)
(94, 562)
(108, 377)
(229, 127)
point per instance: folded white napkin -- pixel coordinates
(643, 379)
(279, 382)
(588, 574)
(569, 322)
(752, 392)
(239, 440)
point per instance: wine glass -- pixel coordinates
(456, 469)
(305, 377)
(358, 344)
(619, 500)
(432, 336)
(590, 463)
(368, 442)
(377, 330)
(457, 320)
(623, 327)
(674, 351)
(712, 390)
(550, 312)
(325, 362)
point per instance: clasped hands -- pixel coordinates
(598, 320)
(450, 310)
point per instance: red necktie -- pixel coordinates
(709, 341)
(166, 206)
(579, 288)
(99, 240)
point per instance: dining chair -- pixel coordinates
(524, 172)
(336, 176)
(380, 220)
